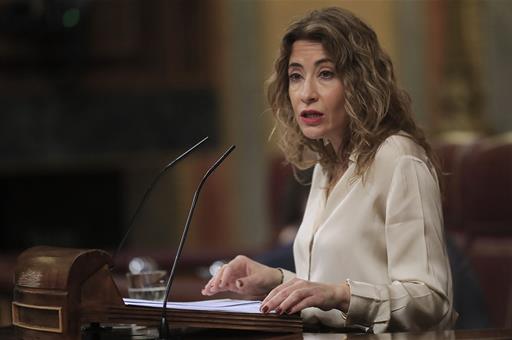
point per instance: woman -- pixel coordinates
(370, 250)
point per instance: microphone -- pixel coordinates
(164, 329)
(148, 191)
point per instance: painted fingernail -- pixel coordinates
(264, 309)
(279, 310)
(288, 311)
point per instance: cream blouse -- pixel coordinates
(384, 237)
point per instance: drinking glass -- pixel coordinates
(148, 285)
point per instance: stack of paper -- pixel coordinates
(219, 305)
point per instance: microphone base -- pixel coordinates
(163, 330)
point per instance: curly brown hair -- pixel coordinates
(375, 106)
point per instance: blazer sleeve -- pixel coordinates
(419, 294)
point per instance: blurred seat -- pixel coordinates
(451, 148)
(491, 260)
(486, 188)
(278, 178)
(287, 198)
(486, 218)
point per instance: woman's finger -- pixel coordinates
(212, 287)
(227, 277)
(206, 288)
(312, 295)
(273, 293)
(288, 301)
(279, 294)
(291, 306)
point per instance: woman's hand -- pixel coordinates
(295, 295)
(243, 276)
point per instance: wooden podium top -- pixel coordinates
(59, 290)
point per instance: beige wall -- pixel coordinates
(275, 15)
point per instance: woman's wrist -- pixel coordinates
(281, 276)
(342, 296)
(276, 277)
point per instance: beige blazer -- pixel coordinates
(384, 237)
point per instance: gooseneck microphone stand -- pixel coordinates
(164, 328)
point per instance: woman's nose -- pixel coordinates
(309, 92)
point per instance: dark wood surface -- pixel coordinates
(9, 333)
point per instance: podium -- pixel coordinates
(58, 290)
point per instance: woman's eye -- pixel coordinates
(326, 74)
(294, 77)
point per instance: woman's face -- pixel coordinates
(316, 92)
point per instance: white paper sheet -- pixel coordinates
(218, 305)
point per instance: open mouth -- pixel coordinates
(311, 114)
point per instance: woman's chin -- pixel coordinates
(312, 134)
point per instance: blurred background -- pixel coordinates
(96, 96)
